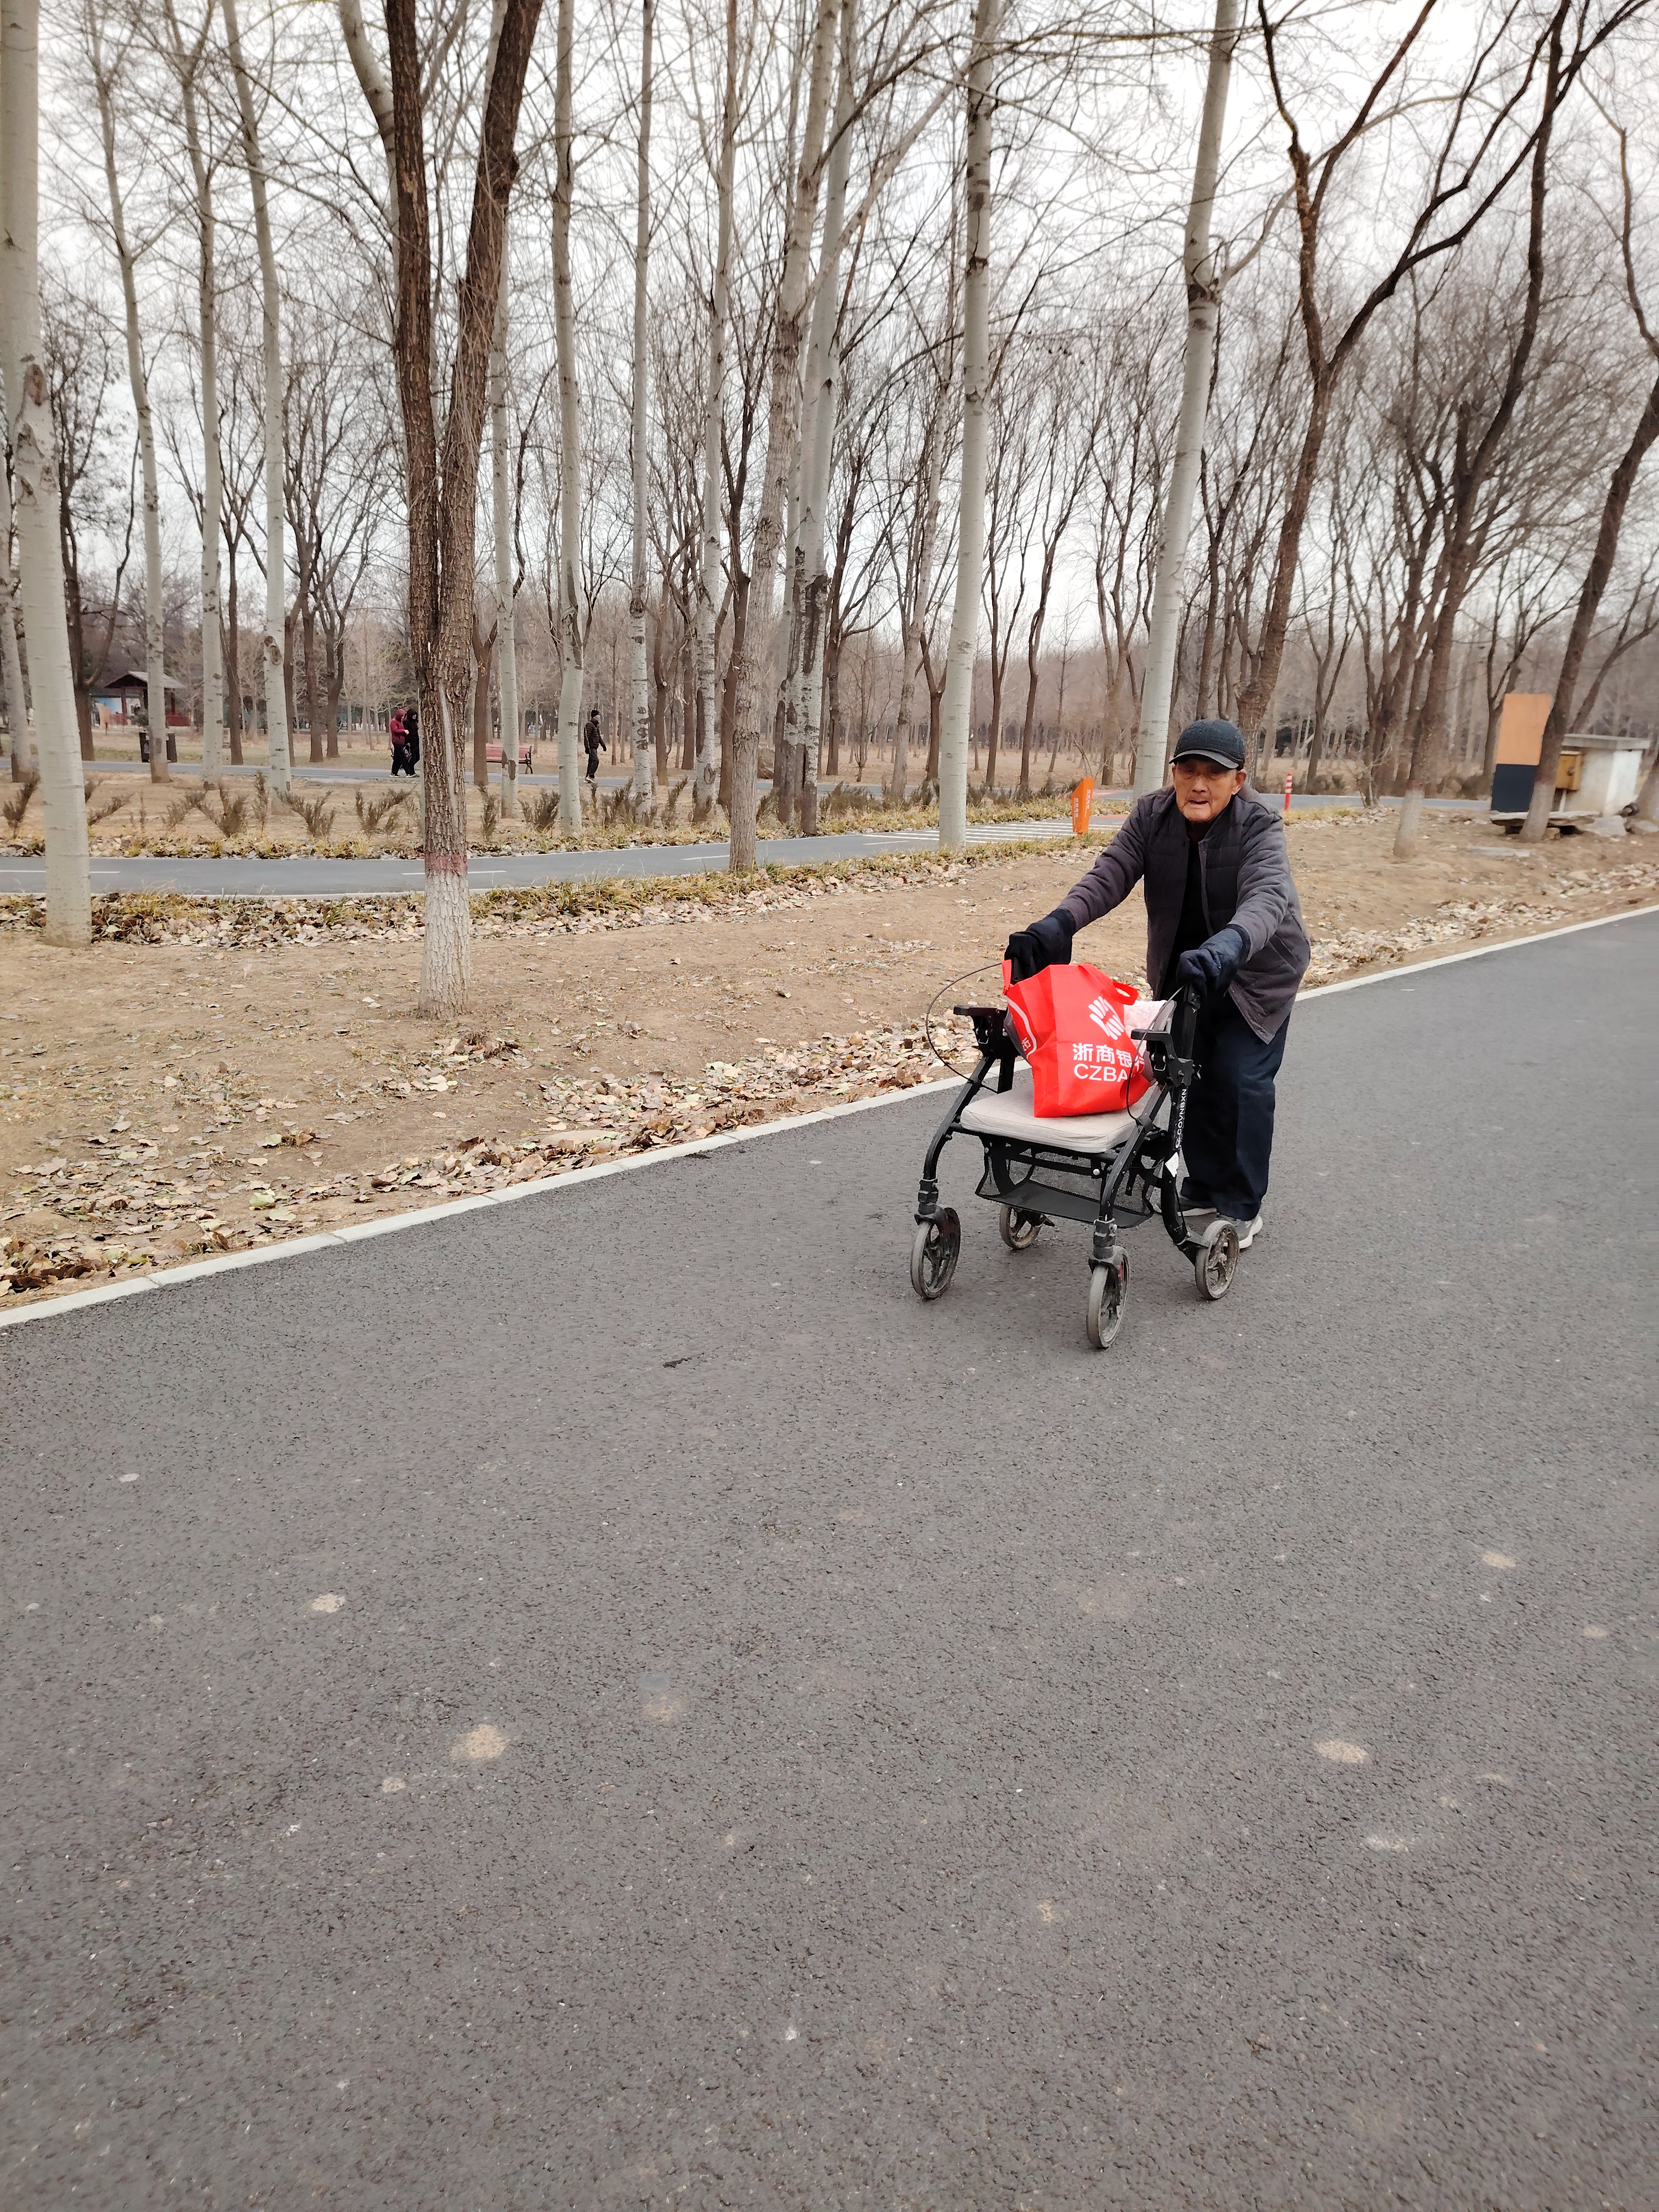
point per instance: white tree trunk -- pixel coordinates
(570, 542)
(11, 664)
(34, 467)
(782, 425)
(707, 778)
(156, 694)
(1203, 306)
(644, 762)
(976, 372)
(501, 484)
(377, 92)
(821, 404)
(271, 650)
(213, 672)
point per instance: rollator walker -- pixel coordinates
(1111, 1170)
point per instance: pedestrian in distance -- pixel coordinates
(1223, 918)
(412, 725)
(397, 730)
(595, 745)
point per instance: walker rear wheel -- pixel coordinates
(1018, 1230)
(933, 1253)
(1107, 1290)
(1217, 1261)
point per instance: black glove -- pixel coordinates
(1045, 944)
(1211, 967)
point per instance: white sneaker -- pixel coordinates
(1248, 1231)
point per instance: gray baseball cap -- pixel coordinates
(1221, 742)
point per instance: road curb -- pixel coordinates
(390, 1224)
(419, 1218)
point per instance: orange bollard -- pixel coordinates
(1290, 778)
(1082, 799)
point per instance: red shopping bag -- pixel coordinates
(1069, 1024)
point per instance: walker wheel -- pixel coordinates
(1217, 1261)
(1107, 1290)
(933, 1253)
(1018, 1229)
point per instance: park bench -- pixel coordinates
(526, 755)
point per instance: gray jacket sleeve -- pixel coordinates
(1115, 874)
(1266, 891)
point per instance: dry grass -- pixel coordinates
(237, 817)
(17, 805)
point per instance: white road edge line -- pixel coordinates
(389, 1224)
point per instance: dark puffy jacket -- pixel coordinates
(1245, 870)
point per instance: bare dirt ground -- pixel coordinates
(159, 1100)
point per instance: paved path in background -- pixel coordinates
(322, 879)
(608, 1700)
(234, 877)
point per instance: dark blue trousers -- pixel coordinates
(1229, 1138)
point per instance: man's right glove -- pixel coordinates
(1045, 944)
(1212, 966)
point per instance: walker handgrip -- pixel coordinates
(989, 1025)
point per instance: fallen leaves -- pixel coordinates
(1464, 920)
(27, 1265)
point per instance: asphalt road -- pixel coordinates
(609, 1701)
(232, 878)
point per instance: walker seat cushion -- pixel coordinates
(1013, 1114)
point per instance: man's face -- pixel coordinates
(1203, 788)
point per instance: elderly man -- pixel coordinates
(1222, 915)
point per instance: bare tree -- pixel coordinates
(188, 62)
(1477, 448)
(1203, 305)
(1127, 460)
(571, 626)
(442, 487)
(976, 374)
(822, 401)
(1460, 188)
(913, 536)
(34, 475)
(11, 663)
(276, 561)
(707, 777)
(1066, 445)
(103, 76)
(782, 425)
(504, 519)
(638, 456)
(1619, 485)
(80, 370)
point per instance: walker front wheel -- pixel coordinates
(1016, 1228)
(933, 1253)
(1108, 1288)
(1217, 1261)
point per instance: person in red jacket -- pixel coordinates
(1222, 918)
